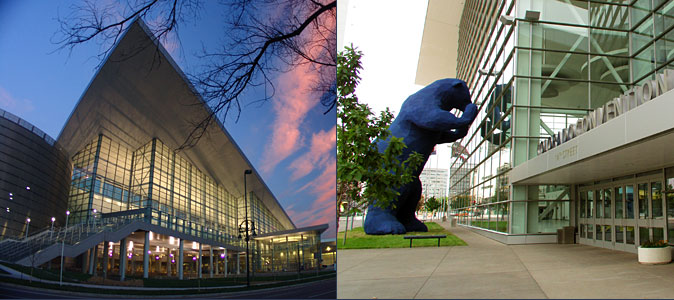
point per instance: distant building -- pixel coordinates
(433, 182)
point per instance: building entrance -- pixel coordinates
(621, 215)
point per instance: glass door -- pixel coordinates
(651, 221)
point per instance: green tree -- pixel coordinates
(365, 176)
(432, 204)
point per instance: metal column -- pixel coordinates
(146, 255)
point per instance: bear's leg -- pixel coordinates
(408, 205)
(382, 221)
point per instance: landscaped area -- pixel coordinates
(357, 239)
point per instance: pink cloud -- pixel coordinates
(322, 209)
(291, 109)
(322, 146)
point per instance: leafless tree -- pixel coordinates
(264, 37)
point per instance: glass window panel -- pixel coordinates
(618, 204)
(582, 230)
(600, 205)
(629, 235)
(600, 234)
(583, 203)
(656, 199)
(619, 234)
(643, 200)
(629, 202)
(590, 204)
(590, 230)
(607, 203)
(643, 235)
(607, 233)
(658, 234)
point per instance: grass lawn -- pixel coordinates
(357, 239)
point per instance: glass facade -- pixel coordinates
(288, 253)
(534, 78)
(108, 177)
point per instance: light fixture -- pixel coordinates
(10, 194)
(327, 248)
(28, 188)
(28, 220)
(194, 245)
(222, 255)
(194, 258)
(53, 219)
(8, 209)
(171, 240)
(157, 249)
(67, 212)
(149, 252)
(507, 20)
(151, 236)
(532, 15)
(130, 245)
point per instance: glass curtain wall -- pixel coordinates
(109, 178)
(288, 253)
(534, 78)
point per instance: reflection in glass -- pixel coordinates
(607, 203)
(656, 199)
(643, 200)
(583, 200)
(600, 204)
(590, 203)
(607, 233)
(618, 204)
(629, 201)
(599, 233)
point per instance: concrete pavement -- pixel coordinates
(488, 269)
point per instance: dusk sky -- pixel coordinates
(289, 139)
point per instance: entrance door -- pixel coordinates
(623, 214)
(651, 221)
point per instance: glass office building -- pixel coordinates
(139, 204)
(561, 87)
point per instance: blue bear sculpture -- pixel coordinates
(424, 121)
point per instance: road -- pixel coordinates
(322, 289)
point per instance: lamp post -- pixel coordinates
(245, 222)
(27, 226)
(51, 235)
(63, 243)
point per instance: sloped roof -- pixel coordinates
(140, 93)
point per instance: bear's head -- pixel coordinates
(453, 93)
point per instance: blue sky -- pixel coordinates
(289, 139)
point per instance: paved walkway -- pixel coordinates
(488, 269)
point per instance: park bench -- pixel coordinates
(413, 237)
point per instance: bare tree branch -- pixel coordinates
(264, 37)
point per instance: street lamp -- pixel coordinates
(243, 227)
(63, 243)
(27, 226)
(51, 235)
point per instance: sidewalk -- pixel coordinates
(488, 269)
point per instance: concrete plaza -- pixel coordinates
(488, 269)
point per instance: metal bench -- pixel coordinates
(413, 237)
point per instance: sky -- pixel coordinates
(289, 139)
(390, 40)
